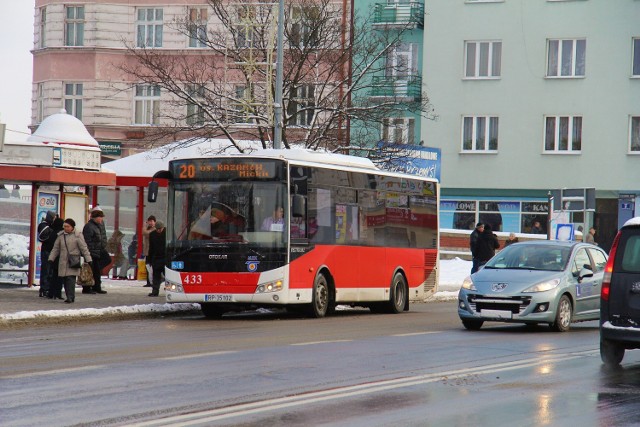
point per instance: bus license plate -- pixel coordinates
(217, 298)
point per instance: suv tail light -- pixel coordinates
(608, 270)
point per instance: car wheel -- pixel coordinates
(320, 299)
(212, 311)
(398, 294)
(471, 324)
(564, 312)
(611, 353)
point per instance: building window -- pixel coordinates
(147, 105)
(563, 134)
(40, 102)
(73, 99)
(244, 28)
(301, 107)
(634, 137)
(566, 58)
(504, 215)
(74, 26)
(195, 111)
(402, 61)
(483, 59)
(240, 111)
(43, 28)
(479, 133)
(636, 58)
(398, 130)
(149, 28)
(303, 35)
(197, 27)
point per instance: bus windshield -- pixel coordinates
(247, 212)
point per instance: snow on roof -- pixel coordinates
(310, 156)
(146, 164)
(63, 129)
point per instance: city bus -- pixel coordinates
(300, 230)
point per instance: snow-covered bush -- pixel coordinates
(14, 251)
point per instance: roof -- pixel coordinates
(63, 129)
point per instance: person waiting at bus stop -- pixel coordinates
(157, 256)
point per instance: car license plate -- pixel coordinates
(497, 314)
(217, 298)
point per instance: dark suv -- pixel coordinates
(620, 296)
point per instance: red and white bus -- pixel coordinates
(298, 229)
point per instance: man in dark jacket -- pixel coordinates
(157, 256)
(47, 237)
(486, 245)
(473, 243)
(95, 236)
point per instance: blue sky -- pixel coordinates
(16, 71)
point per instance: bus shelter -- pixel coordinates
(60, 162)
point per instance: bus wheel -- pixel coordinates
(320, 300)
(398, 296)
(211, 311)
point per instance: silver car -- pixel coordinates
(542, 281)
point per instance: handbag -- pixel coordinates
(86, 276)
(72, 260)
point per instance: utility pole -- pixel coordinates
(277, 137)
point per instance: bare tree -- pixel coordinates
(227, 88)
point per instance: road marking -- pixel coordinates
(54, 372)
(193, 356)
(416, 333)
(319, 342)
(208, 416)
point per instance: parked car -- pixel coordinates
(543, 281)
(620, 297)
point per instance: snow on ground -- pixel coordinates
(452, 273)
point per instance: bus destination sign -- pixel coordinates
(225, 169)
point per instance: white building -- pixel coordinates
(534, 95)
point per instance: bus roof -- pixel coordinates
(304, 157)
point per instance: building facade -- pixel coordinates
(84, 52)
(533, 96)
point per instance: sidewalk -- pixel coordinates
(20, 304)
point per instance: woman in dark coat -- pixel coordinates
(69, 242)
(55, 282)
(487, 245)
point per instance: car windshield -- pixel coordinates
(531, 257)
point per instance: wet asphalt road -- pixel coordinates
(419, 368)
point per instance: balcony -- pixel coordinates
(409, 87)
(409, 14)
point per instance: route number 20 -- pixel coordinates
(187, 171)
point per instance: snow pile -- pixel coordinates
(90, 312)
(14, 251)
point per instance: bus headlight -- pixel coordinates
(274, 286)
(173, 287)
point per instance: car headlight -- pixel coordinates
(273, 286)
(467, 283)
(547, 285)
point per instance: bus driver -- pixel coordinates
(274, 222)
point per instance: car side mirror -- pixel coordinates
(585, 272)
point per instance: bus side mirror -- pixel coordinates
(298, 206)
(152, 194)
